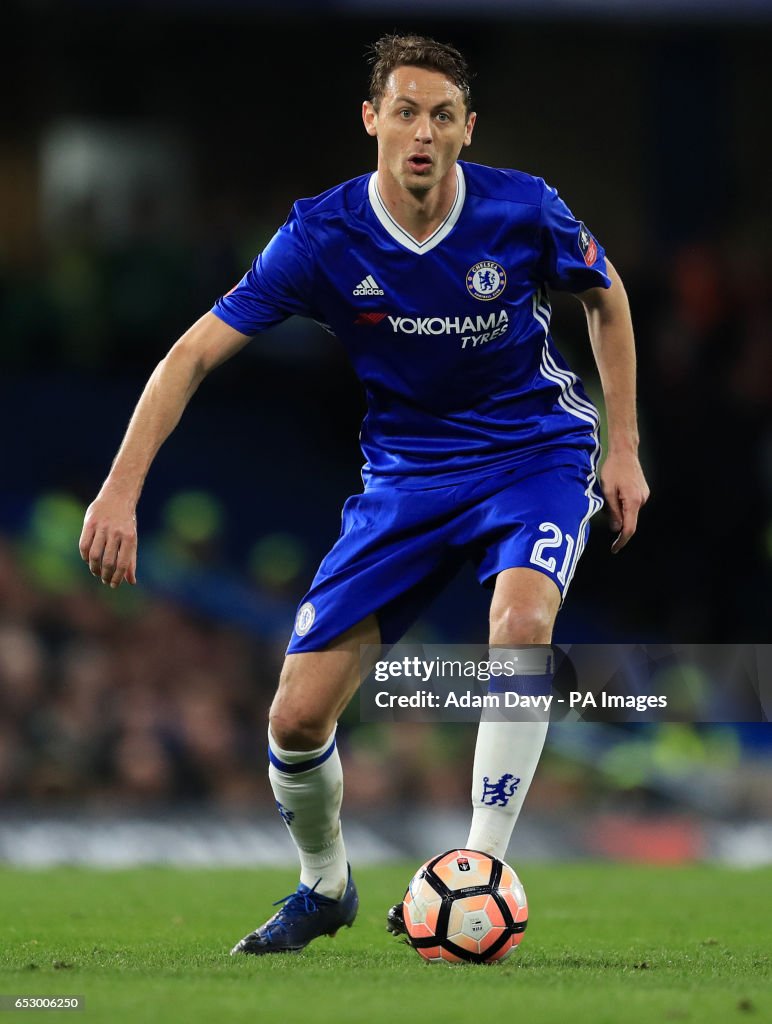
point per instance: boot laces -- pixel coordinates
(296, 904)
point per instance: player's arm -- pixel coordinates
(109, 538)
(611, 335)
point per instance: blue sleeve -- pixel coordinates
(572, 260)
(278, 284)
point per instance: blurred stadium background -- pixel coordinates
(147, 153)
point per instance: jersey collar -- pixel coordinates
(403, 237)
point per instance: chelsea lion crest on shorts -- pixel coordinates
(486, 280)
(305, 618)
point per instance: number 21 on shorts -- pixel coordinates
(552, 542)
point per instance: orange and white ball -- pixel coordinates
(464, 905)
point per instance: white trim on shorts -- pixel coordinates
(577, 406)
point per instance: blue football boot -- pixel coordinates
(305, 915)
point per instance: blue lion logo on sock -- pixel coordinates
(499, 792)
(287, 815)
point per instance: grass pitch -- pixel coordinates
(605, 943)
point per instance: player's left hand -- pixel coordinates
(626, 492)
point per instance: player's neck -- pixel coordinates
(418, 213)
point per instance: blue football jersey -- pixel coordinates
(450, 336)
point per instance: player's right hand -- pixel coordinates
(108, 541)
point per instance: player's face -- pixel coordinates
(421, 127)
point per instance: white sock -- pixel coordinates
(308, 787)
(507, 752)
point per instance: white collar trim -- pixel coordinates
(404, 237)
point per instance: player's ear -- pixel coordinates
(370, 118)
(470, 123)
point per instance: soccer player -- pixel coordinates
(479, 441)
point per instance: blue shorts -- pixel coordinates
(398, 547)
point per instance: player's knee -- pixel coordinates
(522, 624)
(302, 714)
(297, 728)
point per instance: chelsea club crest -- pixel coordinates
(486, 280)
(305, 618)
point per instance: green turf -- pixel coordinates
(605, 943)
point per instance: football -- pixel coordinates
(464, 905)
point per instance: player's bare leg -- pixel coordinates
(307, 781)
(523, 610)
(315, 687)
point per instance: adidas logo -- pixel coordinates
(369, 286)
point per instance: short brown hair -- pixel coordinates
(393, 51)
